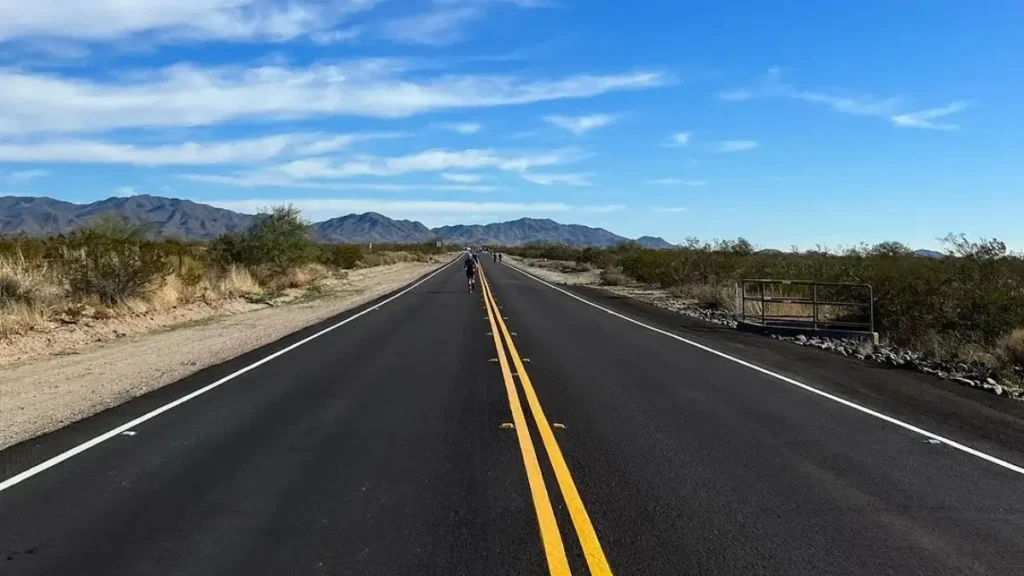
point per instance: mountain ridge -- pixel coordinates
(185, 219)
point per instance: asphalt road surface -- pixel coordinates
(431, 433)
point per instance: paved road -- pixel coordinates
(431, 436)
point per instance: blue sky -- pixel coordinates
(789, 122)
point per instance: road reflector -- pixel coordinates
(558, 426)
(526, 360)
(933, 441)
(128, 433)
(514, 333)
(493, 360)
(490, 333)
(507, 426)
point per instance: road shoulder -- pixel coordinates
(44, 394)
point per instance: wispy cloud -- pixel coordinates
(263, 180)
(669, 209)
(445, 21)
(678, 182)
(772, 86)
(312, 172)
(433, 210)
(177, 20)
(735, 145)
(462, 178)
(565, 179)
(923, 118)
(460, 127)
(22, 176)
(605, 209)
(186, 95)
(678, 140)
(339, 36)
(581, 124)
(187, 153)
(736, 95)
(434, 28)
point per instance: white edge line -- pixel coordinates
(787, 380)
(45, 465)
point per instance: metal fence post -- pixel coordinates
(814, 304)
(763, 317)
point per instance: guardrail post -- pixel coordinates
(763, 317)
(814, 304)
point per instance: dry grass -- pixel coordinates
(18, 318)
(235, 282)
(613, 276)
(1011, 348)
(706, 295)
(386, 258)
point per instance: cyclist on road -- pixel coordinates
(470, 265)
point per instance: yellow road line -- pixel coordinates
(596, 560)
(554, 550)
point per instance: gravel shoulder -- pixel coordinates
(83, 371)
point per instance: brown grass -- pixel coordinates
(235, 282)
(1011, 347)
(613, 276)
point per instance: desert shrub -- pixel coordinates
(111, 260)
(345, 256)
(961, 305)
(278, 240)
(613, 276)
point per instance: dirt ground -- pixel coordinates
(51, 378)
(558, 272)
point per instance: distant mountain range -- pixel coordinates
(174, 218)
(168, 217)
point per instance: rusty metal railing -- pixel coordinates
(807, 304)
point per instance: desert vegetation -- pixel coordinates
(112, 267)
(966, 306)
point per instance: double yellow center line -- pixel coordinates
(554, 550)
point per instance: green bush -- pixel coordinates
(971, 298)
(278, 240)
(345, 256)
(111, 260)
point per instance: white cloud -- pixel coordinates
(461, 178)
(435, 28)
(566, 179)
(581, 124)
(186, 153)
(445, 22)
(670, 209)
(460, 127)
(26, 175)
(339, 36)
(735, 145)
(923, 118)
(678, 182)
(105, 20)
(186, 95)
(258, 180)
(772, 86)
(679, 139)
(348, 205)
(434, 160)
